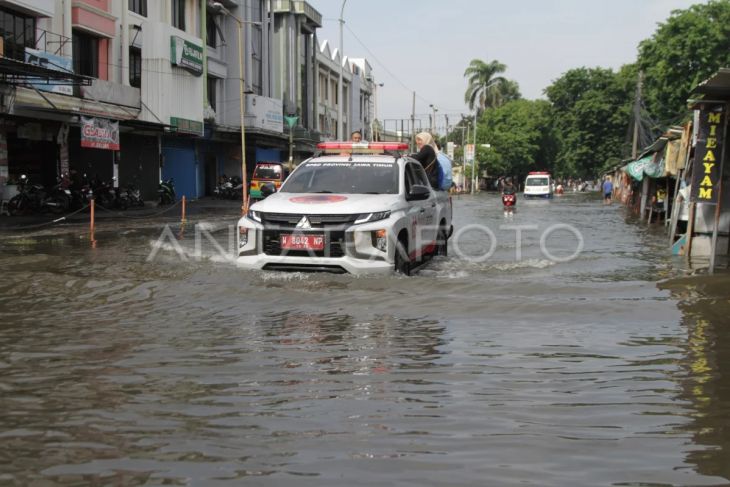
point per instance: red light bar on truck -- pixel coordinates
(362, 147)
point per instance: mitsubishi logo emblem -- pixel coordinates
(304, 223)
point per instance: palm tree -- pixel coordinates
(486, 89)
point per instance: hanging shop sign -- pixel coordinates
(184, 54)
(264, 113)
(50, 61)
(469, 152)
(708, 152)
(99, 133)
(185, 126)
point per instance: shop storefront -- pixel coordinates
(32, 149)
(139, 161)
(180, 163)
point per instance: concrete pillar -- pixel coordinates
(124, 41)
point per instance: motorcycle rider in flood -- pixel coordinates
(509, 197)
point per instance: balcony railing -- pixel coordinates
(51, 42)
(46, 41)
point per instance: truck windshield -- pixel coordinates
(536, 182)
(344, 177)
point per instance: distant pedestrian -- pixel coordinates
(356, 136)
(607, 191)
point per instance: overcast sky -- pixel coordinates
(425, 45)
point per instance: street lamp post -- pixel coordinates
(244, 176)
(339, 84)
(375, 112)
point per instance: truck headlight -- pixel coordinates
(372, 217)
(254, 215)
(380, 240)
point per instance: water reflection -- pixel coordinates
(349, 346)
(705, 379)
(117, 370)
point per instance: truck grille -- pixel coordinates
(317, 221)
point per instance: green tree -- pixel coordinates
(685, 50)
(486, 88)
(591, 110)
(520, 136)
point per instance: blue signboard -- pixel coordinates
(50, 61)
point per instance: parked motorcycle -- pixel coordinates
(104, 193)
(223, 188)
(30, 197)
(134, 195)
(237, 190)
(166, 191)
(59, 198)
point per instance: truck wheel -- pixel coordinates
(402, 262)
(442, 243)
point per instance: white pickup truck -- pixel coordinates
(365, 209)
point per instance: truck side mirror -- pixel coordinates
(418, 192)
(267, 189)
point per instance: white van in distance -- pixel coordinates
(538, 184)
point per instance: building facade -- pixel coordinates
(143, 90)
(358, 93)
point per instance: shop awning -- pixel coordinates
(656, 146)
(27, 98)
(717, 86)
(16, 72)
(645, 166)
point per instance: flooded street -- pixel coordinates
(612, 368)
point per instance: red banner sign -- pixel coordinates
(99, 133)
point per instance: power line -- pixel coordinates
(385, 68)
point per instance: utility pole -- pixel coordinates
(474, 177)
(468, 125)
(413, 124)
(637, 116)
(433, 119)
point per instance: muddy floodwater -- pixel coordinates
(584, 355)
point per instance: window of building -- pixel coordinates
(18, 32)
(178, 14)
(211, 31)
(135, 67)
(86, 54)
(212, 89)
(138, 7)
(323, 88)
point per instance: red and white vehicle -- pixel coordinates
(538, 184)
(358, 207)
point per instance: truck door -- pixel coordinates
(424, 226)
